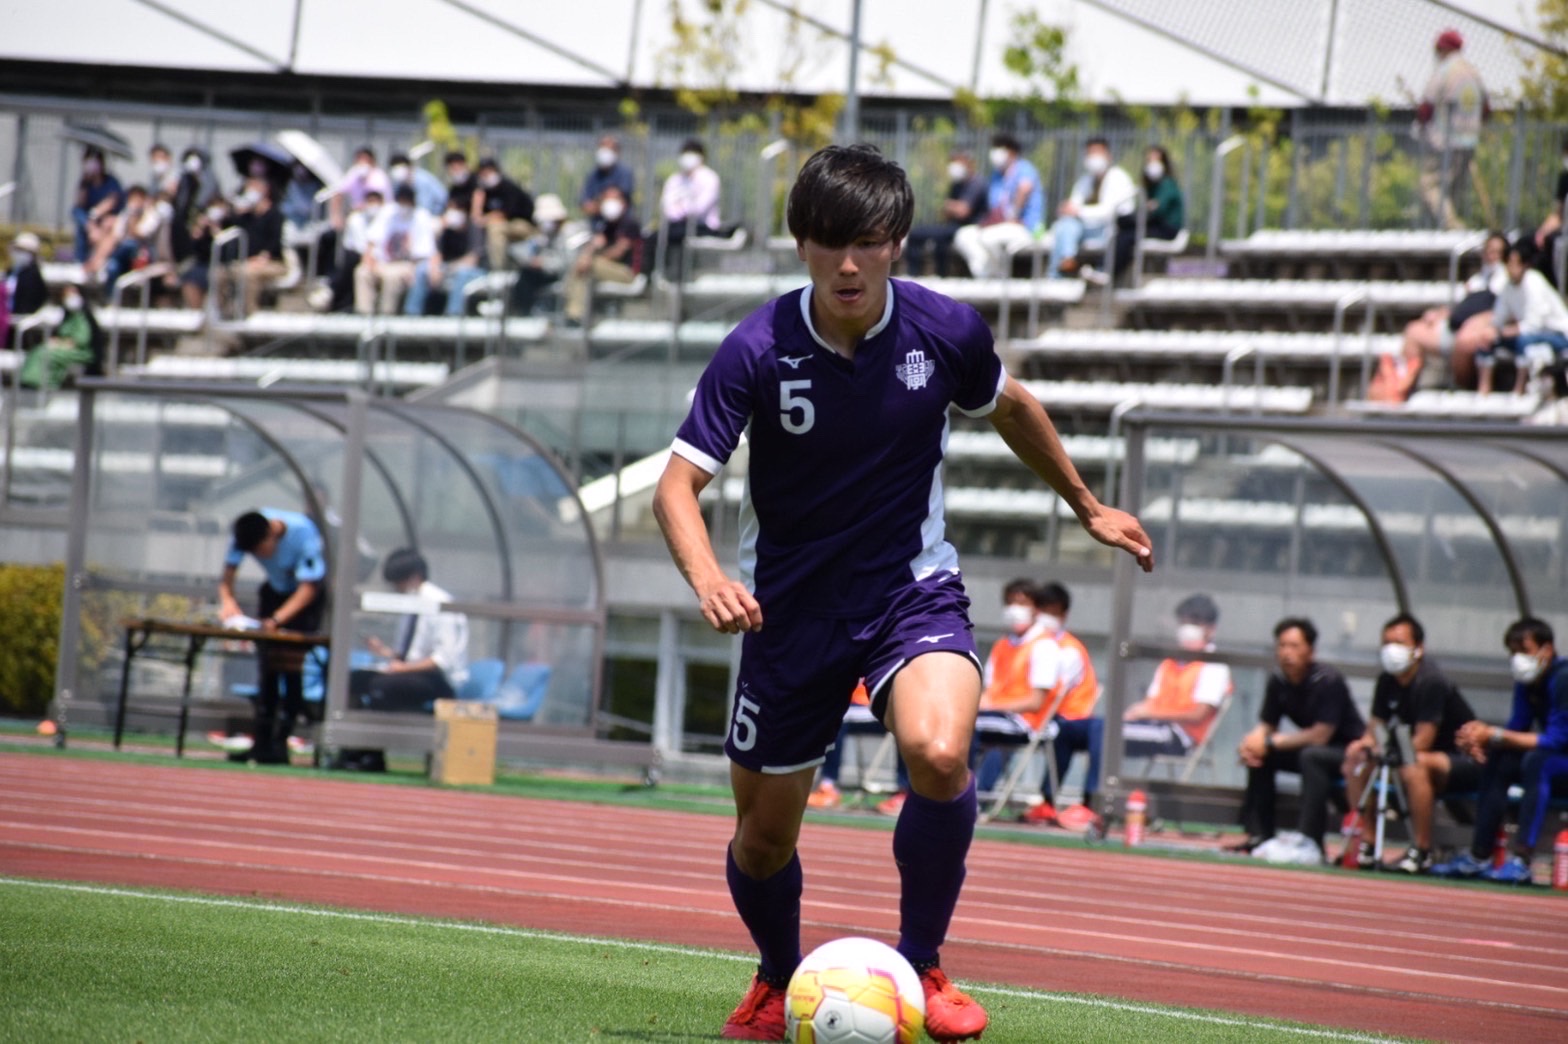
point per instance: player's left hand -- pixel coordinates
(1119, 529)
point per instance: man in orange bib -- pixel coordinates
(1184, 695)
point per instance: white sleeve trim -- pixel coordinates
(686, 450)
(1213, 685)
(988, 408)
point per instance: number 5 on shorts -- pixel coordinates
(743, 733)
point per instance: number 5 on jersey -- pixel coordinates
(789, 402)
(743, 733)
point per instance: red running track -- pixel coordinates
(1369, 954)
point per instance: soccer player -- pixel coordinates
(844, 387)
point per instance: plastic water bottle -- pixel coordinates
(1500, 846)
(1352, 832)
(1137, 818)
(1560, 862)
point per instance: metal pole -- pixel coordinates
(852, 95)
(1516, 169)
(344, 563)
(19, 170)
(75, 563)
(1217, 193)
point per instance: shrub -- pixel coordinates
(30, 600)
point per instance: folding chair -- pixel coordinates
(1023, 758)
(1199, 754)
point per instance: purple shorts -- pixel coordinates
(797, 674)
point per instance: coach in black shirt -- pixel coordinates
(1316, 699)
(1413, 693)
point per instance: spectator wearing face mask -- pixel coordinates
(690, 197)
(1015, 213)
(429, 194)
(1185, 694)
(98, 197)
(77, 341)
(1099, 197)
(24, 283)
(545, 256)
(460, 181)
(965, 204)
(1164, 206)
(614, 254)
(401, 238)
(353, 189)
(452, 267)
(608, 172)
(356, 240)
(254, 211)
(163, 176)
(196, 188)
(131, 238)
(1529, 319)
(195, 275)
(299, 196)
(1412, 693)
(506, 212)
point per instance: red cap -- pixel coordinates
(1450, 40)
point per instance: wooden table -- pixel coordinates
(139, 631)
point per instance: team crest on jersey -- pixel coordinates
(915, 370)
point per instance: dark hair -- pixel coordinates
(1021, 586)
(403, 564)
(374, 192)
(1416, 630)
(1496, 233)
(1006, 141)
(489, 163)
(1298, 623)
(1528, 627)
(404, 193)
(455, 157)
(400, 158)
(845, 193)
(250, 529)
(1165, 160)
(94, 152)
(159, 146)
(1525, 248)
(365, 150)
(694, 145)
(1054, 594)
(1199, 608)
(140, 190)
(1097, 140)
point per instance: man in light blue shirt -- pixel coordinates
(1015, 217)
(288, 547)
(429, 193)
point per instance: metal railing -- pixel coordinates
(1360, 295)
(141, 278)
(1217, 194)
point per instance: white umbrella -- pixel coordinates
(312, 154)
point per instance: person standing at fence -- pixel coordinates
(1452, 109)
(844, 389)
(288, 547)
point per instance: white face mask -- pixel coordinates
(549, 227)
(1154, 171)
(1525, 667)
(999, 157)
(72, 302)
(245, 201)
(160, 168)
(1396, 658)
(456, 176)
(605, 157)
(165, 209)
(1018, 618)
(405, 210)
(1096, 164)
(1192, 636)
(957, 171)
(193, 164)
(371, 210)
(92, 168)
(690, 161)
(400, 173)
(612, 209)
(455, 219)
(490, 180)
(215, 214)
(20, 258)
(1052, 624)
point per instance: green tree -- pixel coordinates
(1544, 87)
(1036, 55)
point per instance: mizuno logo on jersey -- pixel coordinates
(932, 638)
(915, 370)
(793, 361)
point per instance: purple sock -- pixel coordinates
(771, 912)
(929, 844)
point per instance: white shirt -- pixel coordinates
(1118, 195)
(1052, 664)
(1212, 687)
(399, 236)
(440, 636)
(1493, 280)
(1533, 303)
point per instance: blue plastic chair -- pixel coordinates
(484, 678)
(521, 695)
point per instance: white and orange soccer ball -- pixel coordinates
(855, 991)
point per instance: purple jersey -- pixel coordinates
(843, 502)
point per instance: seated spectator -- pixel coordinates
(338, 296)
(1530, 751)
(1530, 320)
(506, 212)
(429, 194)
(1176, 712)
(1103, 194)
(162, 177)
(1026, 675)
(428, 664)
(1412, 693)
(858, 720)
(1166, 209)
(402, 238)
(254, 211)
(691, 195)
(545, 255)
(78, 341)
(1015, 213)
(966, 201)
(1317, 701)
(608, 172)
(98, 197)
(614, 254)
(130, 239)
(353, 190)
(1458, 332)
(299, 196)
(460, 182)
(196, 189)
(452, 267)
(26, 291)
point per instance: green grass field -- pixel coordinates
(94, 963)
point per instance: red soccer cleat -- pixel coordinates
(1044, 812)
(760, 1015)
(951, 1014)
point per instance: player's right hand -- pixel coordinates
(730, 608)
